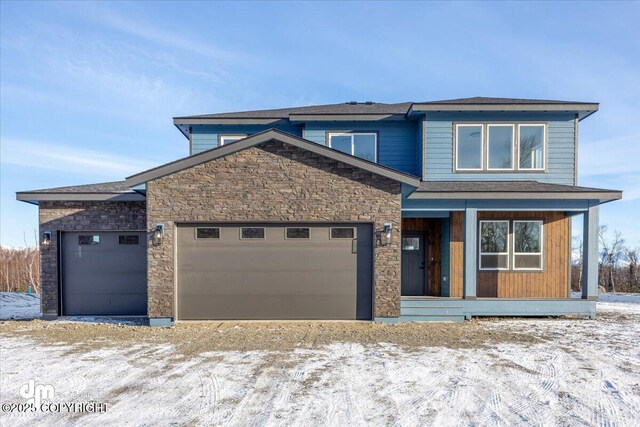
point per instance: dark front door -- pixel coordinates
(413, 264)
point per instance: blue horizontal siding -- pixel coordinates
(205, 137)
(397, 142)
(439, 160)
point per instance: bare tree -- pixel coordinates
(576, 263)
(20, 268)
(612, 250)
(633, 257)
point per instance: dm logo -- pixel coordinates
(35, 394)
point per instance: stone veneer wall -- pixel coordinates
(273, 182)
(79, 216)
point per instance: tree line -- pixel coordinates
(617, 266)
(20, 268)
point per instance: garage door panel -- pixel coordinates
(282, 285)
(106, 304)
(274, 277)
(107, 278)
(265, 307)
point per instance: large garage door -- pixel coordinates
(104, 273)
(277, 271)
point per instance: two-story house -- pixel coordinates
(437, 210)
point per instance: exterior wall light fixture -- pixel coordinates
(46, 240)
(158, 234)
(387, 230)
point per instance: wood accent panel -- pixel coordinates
(553, 281)
(432, 227)
(456, 246)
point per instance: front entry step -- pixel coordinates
(431, 318)
(422, 311)
(431, 309)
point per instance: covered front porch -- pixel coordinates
(450, 270)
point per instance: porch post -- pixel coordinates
(470, 252)
(590, 254)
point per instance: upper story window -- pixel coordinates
(484, 147)
(226, 139)
(359, 144)
(531, 146)
(469, 147)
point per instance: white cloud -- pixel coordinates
(136, 26)
(72, 160)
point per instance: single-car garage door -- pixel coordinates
(274, 271)
(104, 273)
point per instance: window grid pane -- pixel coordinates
(494, 236)
(527, 237)
(228, 139)
(252, 233)
(500, 147)
(342, 233)
(89, 240)
(207, 233)
(469, 147)
(528, 262)
(494, 245)
(297, 233)
(410, 243)
(531, 146)
(364, 146)
(342, 143)
(129, 239)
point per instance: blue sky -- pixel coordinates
(88, 90)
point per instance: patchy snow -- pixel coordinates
(577, 372)
(15, 305)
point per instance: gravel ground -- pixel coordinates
(192, 338)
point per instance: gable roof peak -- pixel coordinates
(264, 137)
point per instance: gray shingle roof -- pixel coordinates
(372, 108)
(521, 190)
(482, 100)
(283, 113)
(503, 186)
(102, 187)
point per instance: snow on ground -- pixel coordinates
(19, 306)
(576, 372)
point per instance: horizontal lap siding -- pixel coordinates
(205, 137)
(560, 148)
(397, 141)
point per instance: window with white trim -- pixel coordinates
(527, 245)
(531, 141)
(227, 139)
(500, 147)
(494, 245)
(359, 144)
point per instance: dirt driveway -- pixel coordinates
(487, 372)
